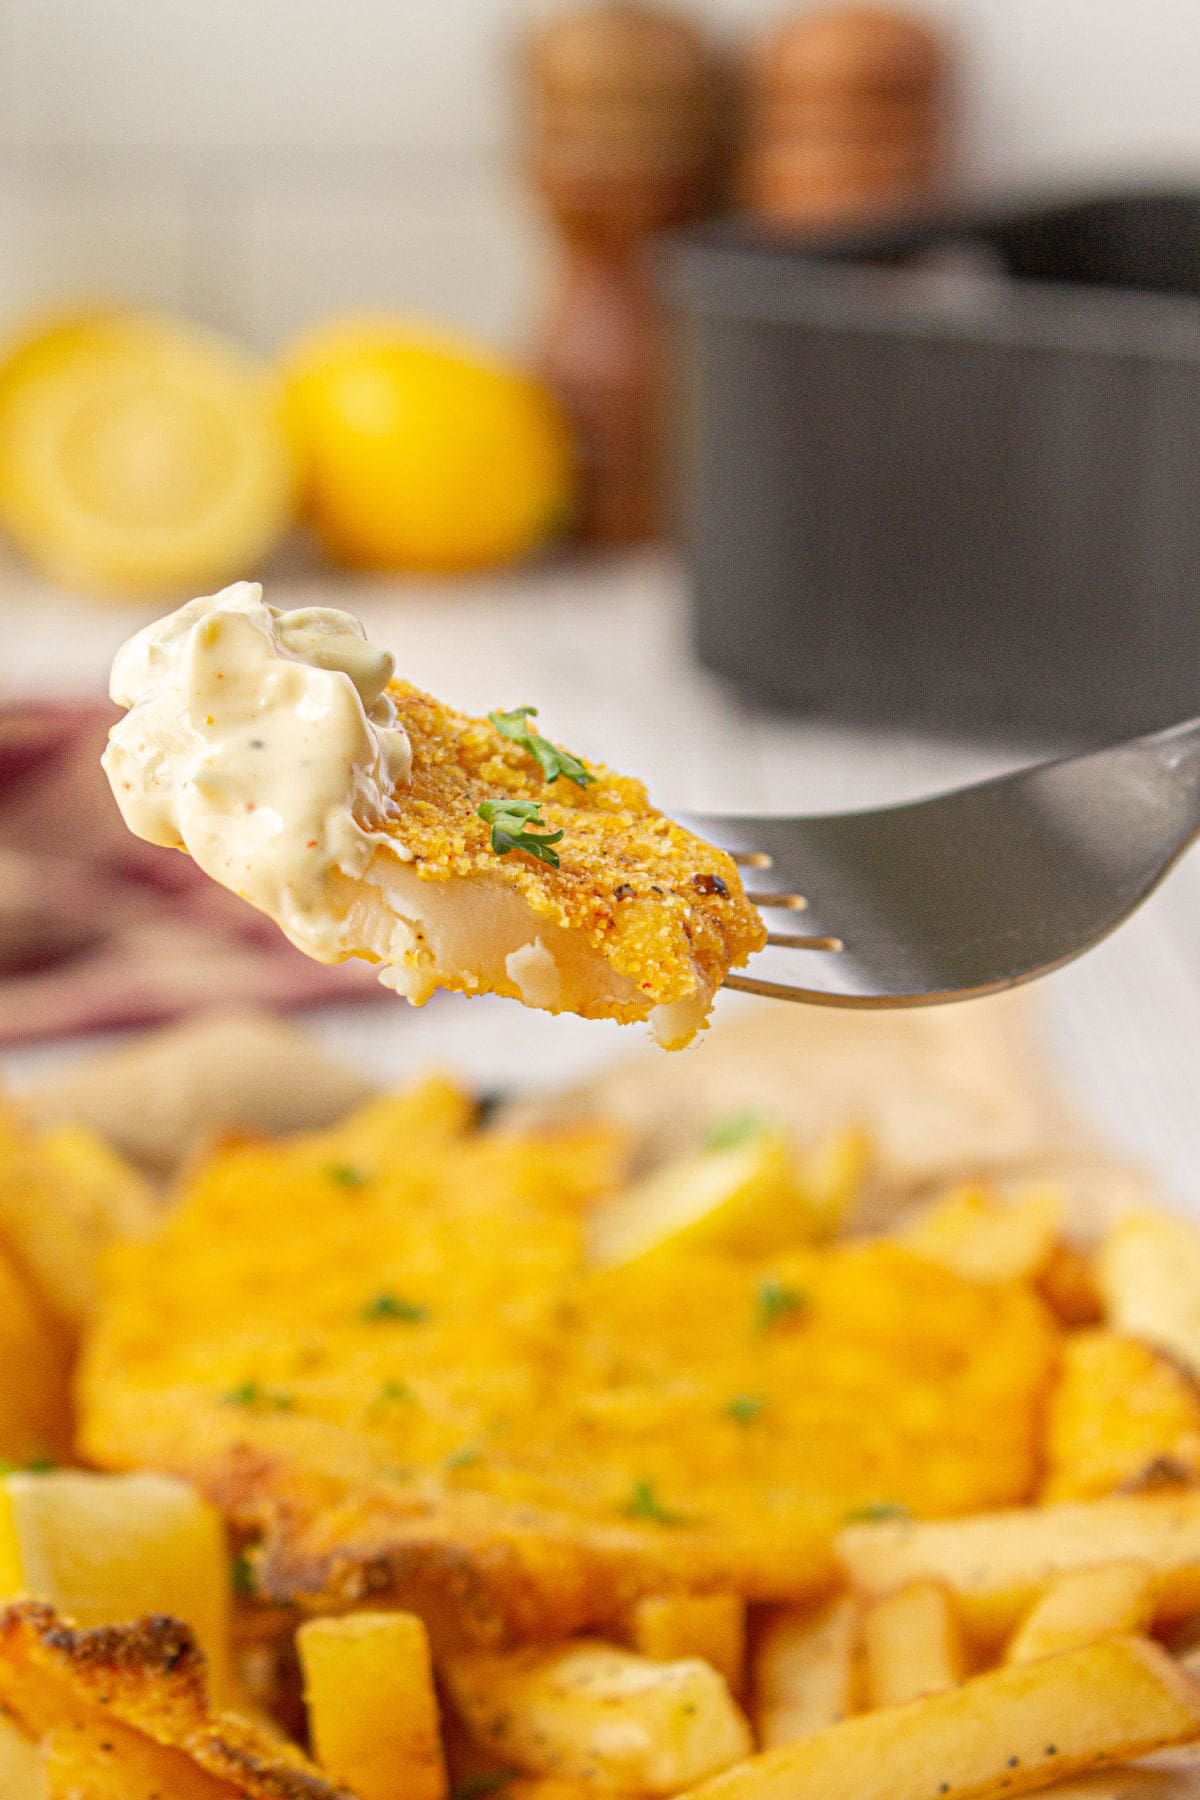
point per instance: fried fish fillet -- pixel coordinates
(392, 1364)
(370, 820)
(639, 920)
(123, 1710)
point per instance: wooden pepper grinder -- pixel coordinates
(620, 132)
(847, 116)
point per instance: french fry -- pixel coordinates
(372, 1710)
(1148, 1270)
(998, 1564)
(912, 1644)
(1190, 1660)
(833, 1173)
(1003, 1733)
(1119, 1407)
(34, 1373)
(588, 1711)
(21, 1776)
(1132, 1781)
(1115, 1599)
(1068, 1286)
(804, 1671)
(64, 1196)
(972, 1231)
(535, 1787)
(670, 1627)
(101, 1759)
(432, 1110)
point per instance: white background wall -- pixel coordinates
(260, 161)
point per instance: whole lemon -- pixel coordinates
(140, 455)
(423, 453)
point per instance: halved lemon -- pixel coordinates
(140, 455)
(422, 452)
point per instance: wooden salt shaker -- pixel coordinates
(847, 115)
(620, 138)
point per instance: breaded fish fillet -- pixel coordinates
(370, 820)
(390, 1361)
(123, 1710)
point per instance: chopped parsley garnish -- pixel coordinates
(394, 1390)
(387, 1306)
(644, 1503)
(391, 1393)
(466, 1458)
(515, 726)
(247, 1394)
(777, 1301)
(745, 1408)
(252, 1393)
(875, 1512)
(737, 1129)
(510, 821)
(37, 1465)
(241, 1575)
(345, 1174)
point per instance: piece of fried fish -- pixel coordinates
(383, 1352)
(370, 820)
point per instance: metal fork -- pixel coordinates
(968, 892)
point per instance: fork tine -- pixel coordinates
(789, 902)
(798, 940)
(752, 859)
(914, 889)
(775, 990)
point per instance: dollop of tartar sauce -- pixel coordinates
(265, 744)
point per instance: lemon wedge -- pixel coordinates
(140, 455)
(103, 1549)
(750, 1197)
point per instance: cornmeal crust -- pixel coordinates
(391, 1364)
(134, 1697)
(664, 910)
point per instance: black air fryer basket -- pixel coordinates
(948, 474)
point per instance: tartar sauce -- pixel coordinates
(265, 744)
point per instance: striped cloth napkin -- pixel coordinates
(98, 929)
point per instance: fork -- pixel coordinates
(968, 892)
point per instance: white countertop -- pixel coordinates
(601, 647)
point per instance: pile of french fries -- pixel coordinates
(1052, 1645)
